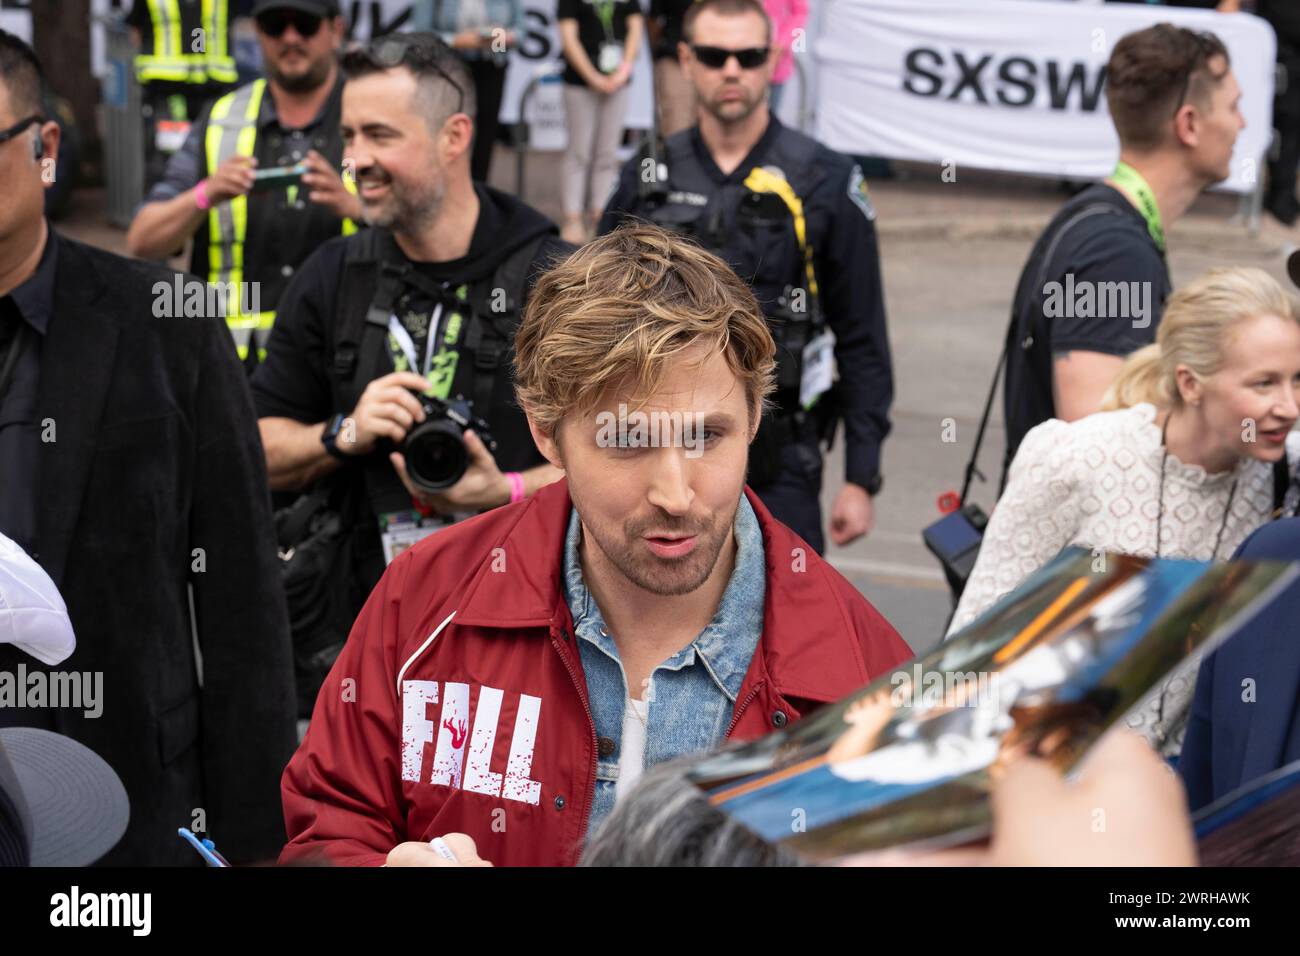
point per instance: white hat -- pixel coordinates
(33, 616)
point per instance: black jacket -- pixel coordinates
(153, 488)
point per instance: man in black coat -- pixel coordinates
(130, 468)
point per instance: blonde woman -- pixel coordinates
(1180, 462)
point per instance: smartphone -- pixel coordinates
(277, 177)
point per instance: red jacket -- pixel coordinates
(459, 703)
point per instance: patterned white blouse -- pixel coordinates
(1095, 484)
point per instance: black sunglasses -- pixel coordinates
(17, 128)
(274, 22)
(716, 57)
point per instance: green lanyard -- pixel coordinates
(1131, 181)
(605, 11)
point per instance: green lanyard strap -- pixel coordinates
(1132, 182)
(605, 11)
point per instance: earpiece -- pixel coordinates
(38, 145)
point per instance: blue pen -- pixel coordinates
(205, 848)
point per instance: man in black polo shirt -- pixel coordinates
(1096, 281)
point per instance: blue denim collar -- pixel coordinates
(726, 645)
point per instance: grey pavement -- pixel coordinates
(951, 254)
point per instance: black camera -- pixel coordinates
(435, 452)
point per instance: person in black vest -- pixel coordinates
(422, 305)
(793, 218)
(1096, 281)
(130, 470)
(250, 237)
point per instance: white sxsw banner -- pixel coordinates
(1009, 85)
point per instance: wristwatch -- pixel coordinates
(330, 437)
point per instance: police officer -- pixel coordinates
(793, 218)
(251, 236)
(185, 60)
(424, 304)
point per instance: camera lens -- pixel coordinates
(435, 454)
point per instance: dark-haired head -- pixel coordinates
(1170, 88)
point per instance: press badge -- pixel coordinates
(399, 530)
(610, 57)
(818, 368)
(169, 135)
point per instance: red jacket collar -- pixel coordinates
(810, 648)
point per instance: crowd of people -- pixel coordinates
(375, 483)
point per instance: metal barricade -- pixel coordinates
(519, 132)
(123, 124)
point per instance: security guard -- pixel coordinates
(185, 60)
(793, 218)
(251, 234)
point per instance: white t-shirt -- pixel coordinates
(631, 761)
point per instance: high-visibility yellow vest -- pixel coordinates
(232, 131)
(176, 35)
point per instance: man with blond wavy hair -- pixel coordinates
(511, 676)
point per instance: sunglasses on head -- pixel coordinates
(274, 22)
(397, 51)
(1206, 48)
(715, 57)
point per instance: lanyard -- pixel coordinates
(401, 343)
(1132, 182)
(605, 11)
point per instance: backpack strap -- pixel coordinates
(497, 306)
(361, 322)
(972, 467)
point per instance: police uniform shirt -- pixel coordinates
(25, 315)
(1113, 246)
(841, 231)
(283, 224)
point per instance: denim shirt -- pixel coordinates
(692, 694)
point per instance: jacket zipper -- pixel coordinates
(735, 714)
(591, 722)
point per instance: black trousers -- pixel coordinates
(489, 81)
(794, 497)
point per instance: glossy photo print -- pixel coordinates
(905, 762)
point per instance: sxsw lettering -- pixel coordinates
(1016, 81)
(463, 754)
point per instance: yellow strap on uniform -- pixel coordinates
(762, 180)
